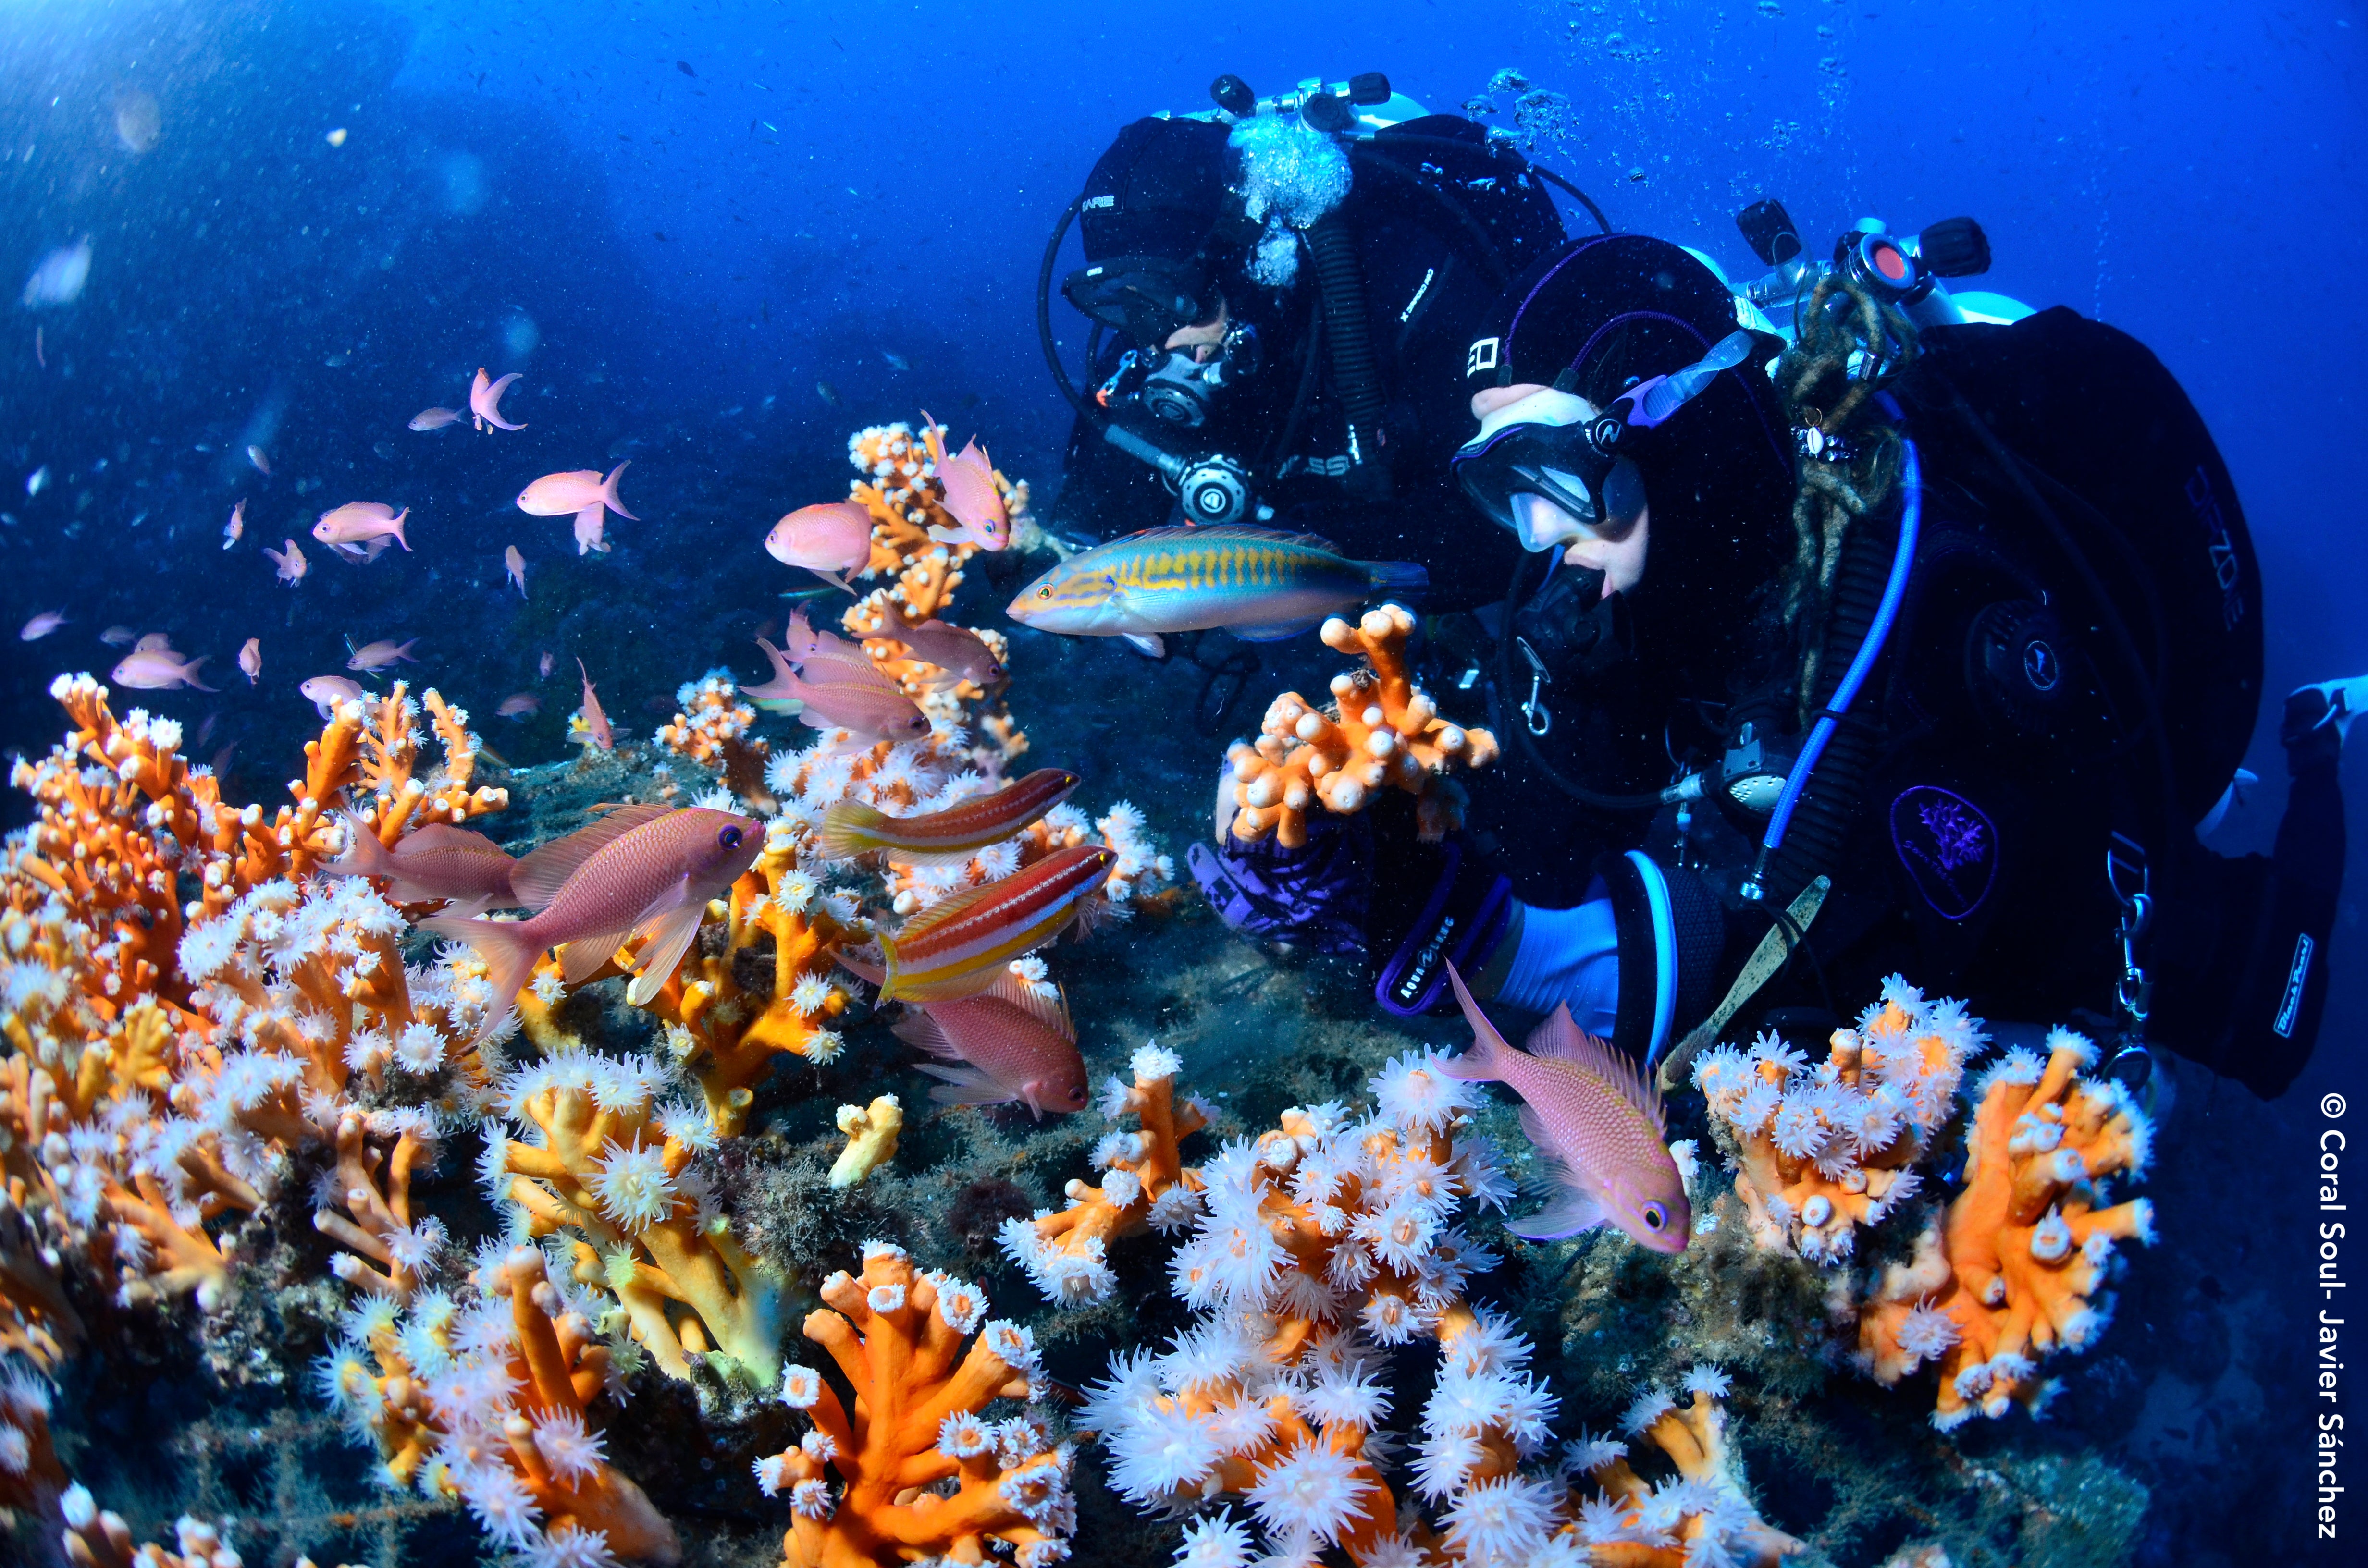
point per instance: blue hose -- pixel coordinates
(1911, 515)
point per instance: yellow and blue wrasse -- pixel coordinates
(943, 838)
(1259, 584)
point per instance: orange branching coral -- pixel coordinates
(2017, 1269)
(1701, 1514)
(99, 1539)
(30, 1475)
(385, 1251)
(712, 730)
(1144, 1187)
(390, 795)
(924, 1478)
(1380, 730)
(605, 1160)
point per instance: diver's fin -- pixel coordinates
(1147, 644)
(1274, 632)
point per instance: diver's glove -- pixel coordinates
(1433, 905)
(1318, 897)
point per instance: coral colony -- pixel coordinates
(211, 1026)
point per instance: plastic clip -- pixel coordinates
(1534, 712)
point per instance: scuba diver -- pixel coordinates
(1281, 293)
(1910, 640)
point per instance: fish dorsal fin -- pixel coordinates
(444, 835)
(1187, 531)
(1052, 1011)
(1560, 1039)
(155, 643)
(537, 878)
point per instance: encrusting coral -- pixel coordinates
(1379, 731)
(2017, 1269)
(1822, 1151)
(872, 1133)
(922, 1476)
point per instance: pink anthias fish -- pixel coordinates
(557, 495)
(519, 705)
(836, 694)
(830, 540)
(592, 529)
(597, 731)
(961, 653)
(645, 870)
(544, 666)
(42, 625)
(348, 528)
(1597, 1122)
(823, 658)
(436, 418)
(152, 666)
(382, 655)
(262, 464)
(970, 497)
(432, 863)
(292, 564)
(485, 402)
(237, 525)
(514, 567)
(324, 692)
(1011, 1043)
(250, 660)
(119, 637)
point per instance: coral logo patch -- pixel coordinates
(1949, 846)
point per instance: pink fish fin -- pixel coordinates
(608, 490)
(444, 835)
(861, 966)
(850, 828)
(363, 856)
(836, 579)
(398, 526)
(1052, 1011)
(964, 1085)
(1570, 1205)
(508, 954)
(1561, 1039)
(1490, 1057)
(155, 641)
(932, 437)
(921, 1030)
(467, 908)
(189, 673)
(584, 956)
(670, 930)
(962, 535)
(538, 877)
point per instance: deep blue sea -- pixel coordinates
(714, 239)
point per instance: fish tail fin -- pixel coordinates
(1397, 576)
(850, 828)
(1490, 1056)
(509, 960)
(364, 855)
(608, 490)
(887, 971)
(189, 673)
(397, 527)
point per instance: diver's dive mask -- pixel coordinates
(1145, 297)
(1552, 468)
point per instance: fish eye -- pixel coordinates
(729, 838)
(1044, 593)
(1655, 1216)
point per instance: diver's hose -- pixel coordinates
(1353, 371)
(1086, 409)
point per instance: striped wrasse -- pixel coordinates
(1259, 584)
(960, 946)
(949, 837)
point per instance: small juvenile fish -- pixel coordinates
(324, 692)
(949, 837)
(957, 947)
(262, 464)
(436, 418)
(557, 495)
(118, 636)
(596, 723)
(1012, 1043)
(514, 567)
(957, 649)
(643, 869)
(485, 402)
(544, 665)
(592, 529)
(519, 705)
(37, 481)
(828, 393)
(831, 540)
(237, 525)
(250, 660)
(348, 528)
(876, 711)
(42, 625)
(968, 480)
(154, 666)
(430, 864)
(895, 361)
(292, 564)
(382, 655)
(1597, 1123)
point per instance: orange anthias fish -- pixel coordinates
(324, 692)
(436, 418)
(431, 863)
(348, 527)
(643, 869)
(949, 837)
(1597, 1123)
(291, 565)
(968, 481)
(830, 540)
(250, 660)
(868, 705)
(152, 666)
(557, 495)
(42, 625)
(237, 525)
(514, 567)
(382, 655)
(596, 723)
(119, 636)
(519, 705)
(485, 402)
(957, 649)
(956, 949)
(592, 529)
(544, 666)
(1013, 1043)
